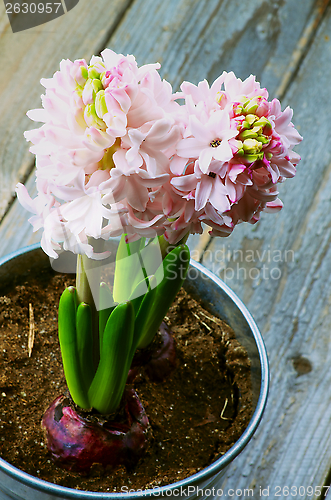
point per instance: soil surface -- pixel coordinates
(196, 415)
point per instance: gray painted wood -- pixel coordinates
(287, 287)
(197, 39)
(15, 228)
(33, 54)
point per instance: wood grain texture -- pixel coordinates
(281, 267)
(35, 53)
(197, 39)
(15, 228)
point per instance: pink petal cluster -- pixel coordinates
(235, 148)
(117, 153)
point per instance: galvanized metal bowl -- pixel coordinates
(218, 299)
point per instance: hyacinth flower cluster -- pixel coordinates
(120, 154)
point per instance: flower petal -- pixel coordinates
(189, 148)
(184, 182)
(205, 158)
(202, 192)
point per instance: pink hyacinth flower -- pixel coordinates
(209, 140)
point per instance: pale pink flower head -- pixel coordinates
(117, 153)
(236, 147)
(109, 130)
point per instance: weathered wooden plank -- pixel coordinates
(15, 228)
(282, 270)
(288, 68)
(197, 39)
(35, 53)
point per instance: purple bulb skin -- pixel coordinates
(163, 359)
(158, 362)
(76, 443)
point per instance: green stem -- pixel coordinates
(84, 294)
(166, 247)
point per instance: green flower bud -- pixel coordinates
(250, 119)
(256, 130)
(84, 72)
(262, 122)
(251, 132)
(92, 118)
(254, 157)
(250, 106)
(100, 104)
(247, 134)
(93, 72)
(252, 146)
(97, 85)
(244, 126)
(81, 76)
(263, 139)
(91, 88)
(238, 109)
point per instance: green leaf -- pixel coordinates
(139, 293)
(69, 349)
(134, 263)
(135, 246)
(173, 270)
(106, 307)
(150, 260)
(145, 309)
(128, 269)
(107, 387)
(85, 343)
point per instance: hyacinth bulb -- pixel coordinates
(77, 442)
(159, 360)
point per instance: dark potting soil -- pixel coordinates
(196, 415)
